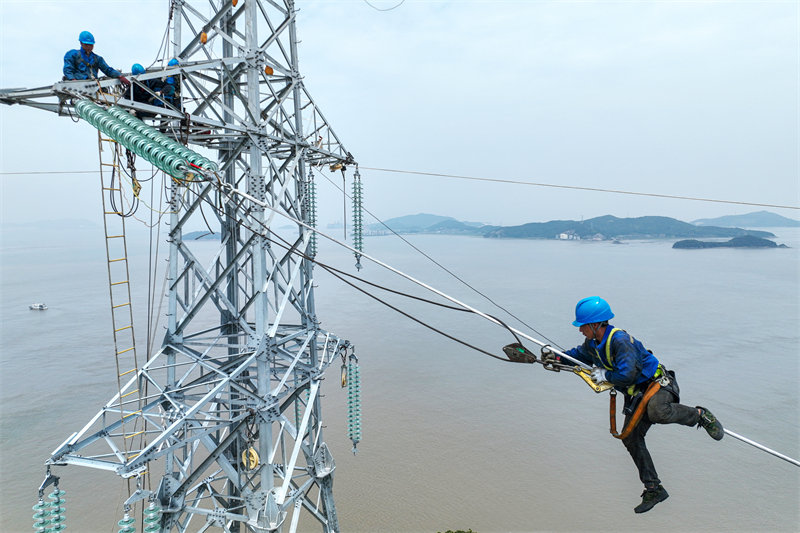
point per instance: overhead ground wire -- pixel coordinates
(508, 181)
(578, 188)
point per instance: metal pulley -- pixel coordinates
(250, 458)
(518, 353)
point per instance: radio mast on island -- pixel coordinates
(226, 417)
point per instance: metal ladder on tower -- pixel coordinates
(119, 287)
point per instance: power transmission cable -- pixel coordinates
(578, 188)
(509, 181)
(45, 172)
(415, 319)
(292, 248)
(450, 272)
(493, 319)
(340, 274)
(385, 9)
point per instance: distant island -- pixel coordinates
(758, 219)
(606, 227)
(746, 241)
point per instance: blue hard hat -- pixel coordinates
(592, 309)
(173, 62)
(86, 38)
(137, 69)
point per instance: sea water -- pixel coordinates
(454, 439)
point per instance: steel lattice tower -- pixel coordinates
(228, 411)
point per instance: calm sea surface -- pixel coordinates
(454, 439)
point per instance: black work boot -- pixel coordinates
(650, 497)
(710, 424)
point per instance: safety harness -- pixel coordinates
(659, 379)
(91, 66)
(652, 388)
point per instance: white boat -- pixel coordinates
(38, 307)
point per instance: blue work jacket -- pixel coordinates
(626, 361)
(79, 66)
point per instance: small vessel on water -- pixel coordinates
(38, 307)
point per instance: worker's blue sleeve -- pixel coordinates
(108, 71)
(581, 353)
(70, 68)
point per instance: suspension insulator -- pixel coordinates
(311, 194)
(353, 401)
(358, 210)
(126, 524)
(41, 506)
(152, 518)
(41, 518)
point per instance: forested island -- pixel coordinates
(746, 241)
(606, 227)
(602, 228)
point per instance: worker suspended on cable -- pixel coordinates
(624, 362)
(83, 63)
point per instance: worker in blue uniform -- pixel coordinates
(170, 87)
(84, 64)
(140, 94)
(620, 359)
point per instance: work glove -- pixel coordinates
(598, 375)
(124, 81)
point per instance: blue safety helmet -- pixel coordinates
(86, 38)
(592, 309)
(173, 62)
(137, 69)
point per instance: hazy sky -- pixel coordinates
(692, 98)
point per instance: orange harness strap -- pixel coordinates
(653, 388)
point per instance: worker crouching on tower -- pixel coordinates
(624, 362)
(169, 88)
(83, 63)
(140, 94)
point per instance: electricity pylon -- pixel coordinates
(228, 411)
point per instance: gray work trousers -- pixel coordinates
(662, 409)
